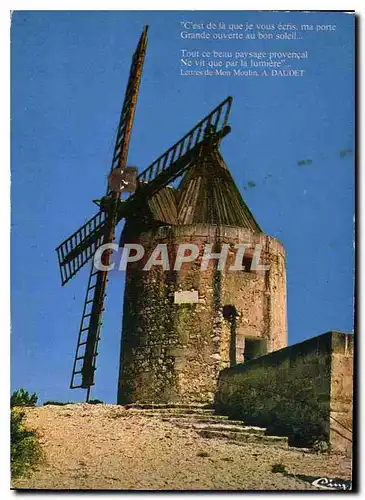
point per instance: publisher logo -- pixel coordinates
(332, 484)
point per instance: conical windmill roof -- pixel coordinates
(208, 195)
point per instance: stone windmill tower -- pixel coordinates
(172, 347)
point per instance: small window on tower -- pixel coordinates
(247, 263)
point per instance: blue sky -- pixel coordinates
(68, 76)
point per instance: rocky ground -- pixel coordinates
(109, 447)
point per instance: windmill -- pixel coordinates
(74, 252)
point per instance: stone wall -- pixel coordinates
(174, 351)
(303, 391)
(341, 391)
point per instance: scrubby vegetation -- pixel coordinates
(63, 403)
(57, 403)
(278, 467)
(25, 449)
(23, 398)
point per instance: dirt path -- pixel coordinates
(105, 447)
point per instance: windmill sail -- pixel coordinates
(176, 159)
(129, 105)
(89, 335)
(88, 338)
(80, 247)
